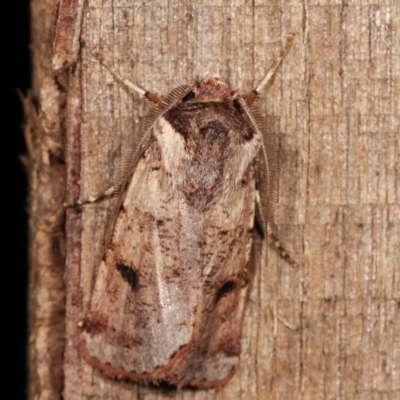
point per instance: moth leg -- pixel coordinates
(110, 192)
(269, 230)
(271, 72)
(126, 82)
(277, 245)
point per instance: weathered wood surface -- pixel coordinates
(329, 329)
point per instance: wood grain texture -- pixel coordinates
(329, 329)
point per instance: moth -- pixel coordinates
(170, 292)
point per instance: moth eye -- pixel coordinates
(128, 274)
(189, 96)
(237, 105)
(225, 288)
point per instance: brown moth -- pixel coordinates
(170, 291)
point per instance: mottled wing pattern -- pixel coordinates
(170, 292)
(213, 354)
(141, 313)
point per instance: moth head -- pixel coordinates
(210, 89)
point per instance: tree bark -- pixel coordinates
(328, 329)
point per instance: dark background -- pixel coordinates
(15, 38)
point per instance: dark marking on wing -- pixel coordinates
(128, 274)
(225, 288)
